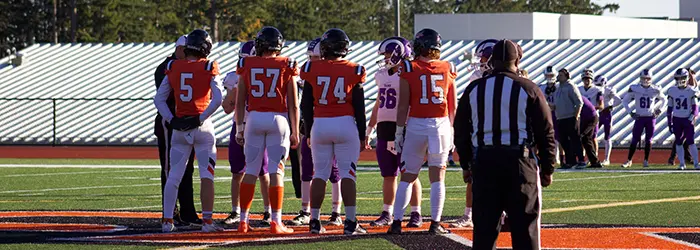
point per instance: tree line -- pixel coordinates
(26, 22)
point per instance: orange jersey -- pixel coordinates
(429, 83)
(332, 83)
(266, 79)
(191, 84)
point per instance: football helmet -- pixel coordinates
(426, 39)
(268, 39)
(247, 49)
(482, 54)
(314, 48)
(399, 49)
(549, 75)
(600, 80)
(335, 42)
(587, 73)
(200, 41)
(681, 76)
(645, 77)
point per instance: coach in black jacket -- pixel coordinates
(163, 131)
(504, 117)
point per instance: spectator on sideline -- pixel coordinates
(567, 108)
(163, 131)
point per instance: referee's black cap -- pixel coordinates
(506, 50)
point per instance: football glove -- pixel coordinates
(239, 134)
(633, 115)
(657, 112)
(398, 141)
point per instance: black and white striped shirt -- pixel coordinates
(503, 109)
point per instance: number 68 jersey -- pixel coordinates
(681, 101)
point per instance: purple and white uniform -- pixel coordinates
(647, 105)
(549, 94)
(682, 109)
(610, 99)
(386, 121)
(594, 94)
(235, 151)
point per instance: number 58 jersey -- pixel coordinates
(332, 83)
(429, 84)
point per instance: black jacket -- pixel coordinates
(159, 75)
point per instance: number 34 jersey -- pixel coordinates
(388, 97)
(332, 83)
(429, 84)
(645, 99)
(681, 101)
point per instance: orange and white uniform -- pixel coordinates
(428, 127)
(197, 93)
(333, 133)
(267, 123)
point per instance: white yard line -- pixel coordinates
(672, 240)
(72, 173)
(606, 177)
(619, 204)
(459, 239)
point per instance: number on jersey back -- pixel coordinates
(429, 83)
(191, 84)
(266, 79)
(332, 83)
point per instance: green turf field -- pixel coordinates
(620, 197)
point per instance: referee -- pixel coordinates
(163, 131)
(504, 117)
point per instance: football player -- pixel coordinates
(594, 94)
(682, 112)
(307, 165)
(271, 94)
(333, 101)
(648, 102)
(610, 100)
(235, 151)
(692, 83)
(548, 89)
(197, 96)
(394, 50)
(426, 107)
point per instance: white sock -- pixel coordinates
(694, 153)
(336, 197)
(403, 192)
(244, 216)
(315, 213)
(350, 213)
(556, 154)
(437, 199)
(680, 152)
(267, 209)
(236, 209)
(608, 149)
(207, 215)
(305, 195)
(415, 209)
(388, 208)
(277, 217)
(468, 211)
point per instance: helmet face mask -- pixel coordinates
(681, 76)
(645, 77)
(394, 50)
(600, 81)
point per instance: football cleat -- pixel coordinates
(208, 226)
(671, 161)
(232, 218)
(383, 220)
(315, 227)
(681, 167)
(168, 226)
(596, 165)
(581, 165)
(395, 227)
(415, 221)
(335, 220)
(436, 228)
(266, 219)
(452, 163)
(464, 221)
(352, 228)
(279, 228)
(697, 166)
(243, 227)
(301, 219)
(646, 163)
(627, 164)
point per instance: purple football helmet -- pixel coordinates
(314, 48)
(247, 49)
(483, 50)
(400, 49)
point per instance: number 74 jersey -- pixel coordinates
(429, 83)
(332, 83)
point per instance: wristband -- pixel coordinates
(240, 128)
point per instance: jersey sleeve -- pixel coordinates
(213, 68)
(305, 73)
(406, 69)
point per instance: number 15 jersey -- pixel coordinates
(332, 83)
(429, 84)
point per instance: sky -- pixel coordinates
(644, 8)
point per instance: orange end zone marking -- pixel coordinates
(599, 238)
(59, 227)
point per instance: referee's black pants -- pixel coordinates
(588, 136)
(164, 132)
(570, 139)
(505, 180)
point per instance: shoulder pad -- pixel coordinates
(209, 65)
(407, 66)
(241, 62)
(170, 65)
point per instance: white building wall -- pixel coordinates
(607, 27)
(690, 9)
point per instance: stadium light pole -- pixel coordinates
(397, 22)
